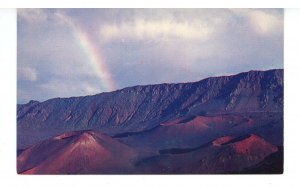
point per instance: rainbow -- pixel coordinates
(95, 57)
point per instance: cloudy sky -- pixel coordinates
(73, 52)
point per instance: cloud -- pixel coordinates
(33, 16)
(27, 73)
(262, 21)
(144, 29)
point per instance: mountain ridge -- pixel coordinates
(140, 108)
(142, 85)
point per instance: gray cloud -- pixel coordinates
(141, 46)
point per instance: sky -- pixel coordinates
(77, 52)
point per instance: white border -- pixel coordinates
(8, 43)
(149, 3)
(292, 93)
(8, 136)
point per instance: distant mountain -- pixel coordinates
(141, 108)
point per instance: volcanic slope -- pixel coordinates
(224, 155)
(90, 152)
(84, 152)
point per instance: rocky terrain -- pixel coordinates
(227, 124)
